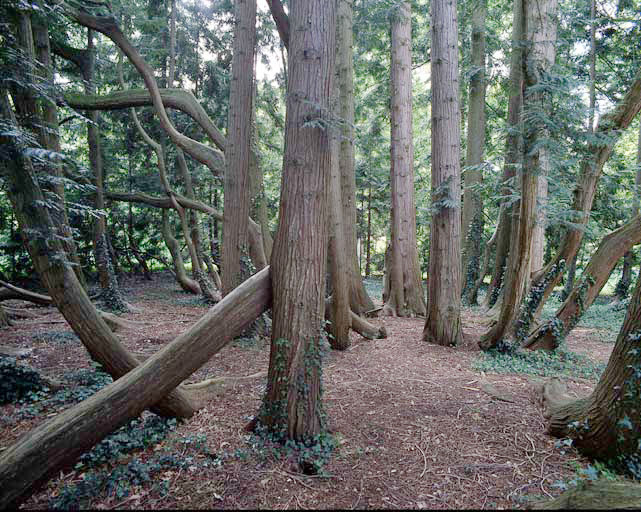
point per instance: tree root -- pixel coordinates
(599, 495)
(205, 385)
(366, 329)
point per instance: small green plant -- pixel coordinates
(539, 362)
(19, 382)
(58, 337)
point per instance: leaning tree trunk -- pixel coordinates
(292, 403)
(596, 274)
(237, 152)
(405, 296)
(49, 259)
(540, 30)
(443, 323)
(606, 425)
(57, 443)
(512, 155)
(611, 125)
(359, 299)
(472, 216)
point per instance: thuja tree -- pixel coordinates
(607, 424)
(405, 294)
(292, 403)
(443, 323)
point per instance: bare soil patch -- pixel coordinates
(414, 424)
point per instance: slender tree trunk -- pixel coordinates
(368, 245)
(512, 155)
(540, 30)
(569, 281)
(443, 323)
(593, 279)
(472, 216)
(237, 151)
(606, 425)
(4, 318)
(339, 307)
(359, 299)
(111, 293)
(292, 403)
(406, 291)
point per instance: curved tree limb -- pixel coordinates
(281, 19)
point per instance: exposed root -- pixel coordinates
(210, 383)
(366, 329)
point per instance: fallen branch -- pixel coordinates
(198, 386)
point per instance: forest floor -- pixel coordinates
(415, 425)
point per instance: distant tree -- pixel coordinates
(404, 293)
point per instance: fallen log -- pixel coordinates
(599, 495)
(61, 440)
(13, 292)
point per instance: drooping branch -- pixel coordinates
(108, 26)
(177, 99)
(281, 19)
(164, 202)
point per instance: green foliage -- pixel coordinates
(19, 382)
(539, 362)
(104, 474)
(58, 337)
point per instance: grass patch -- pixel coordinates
(539, 362)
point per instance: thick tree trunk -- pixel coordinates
(512, 155)
(60, 441)
(540, 30)
(607, 424)
(405, 296)
(538, 237)
(360, 301)
(292, 403)
(443, 323)
(596, 274)
(57, 275)
(237, 152)
(472, 216)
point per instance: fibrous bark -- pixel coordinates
(596, 274)
(472, 215)
(360, 301)
(405, 296)
(443, 323)
(237, 152)
(292, 404)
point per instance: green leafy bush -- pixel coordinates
(19, 382)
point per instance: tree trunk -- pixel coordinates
(292, 403)
(596, 274)
(538, 237)
(237, 152)
(185, 282)
(406, 291)
(540, 30)
(55, 444)
(4, 319)
(339, 307)
(57, 275)
(472, 296)
(607, 424)
(512, 155)
(443, 323)
(472, 216)
(111, 294)
(359, 299)
(569, 281)
(368, 244)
